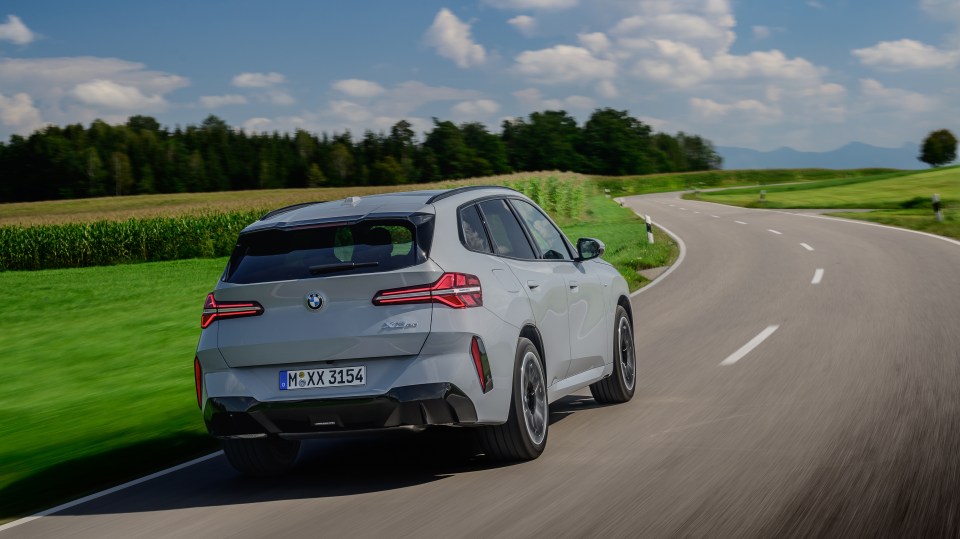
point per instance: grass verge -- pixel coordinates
(899, 199)
(659, 183)
(97, 372)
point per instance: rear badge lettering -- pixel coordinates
(314, 301)
(397, 324)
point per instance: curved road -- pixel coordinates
(799, 377)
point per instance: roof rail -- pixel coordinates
(458, 190)
(285, 209)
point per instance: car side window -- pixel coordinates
(507, 235)
(472, 234)
(548, 239)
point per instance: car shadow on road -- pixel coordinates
(337, 465)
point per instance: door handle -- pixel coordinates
(533, 284)
(574, 285)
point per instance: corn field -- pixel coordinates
(208, 234)
(560, 198)
(104, 243)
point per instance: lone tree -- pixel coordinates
(939, 148)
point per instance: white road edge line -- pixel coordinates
(740, 222)
(683, 254)
(745, 349)
(109, 491)
(775, 232)
(807, 247)
(817, 276)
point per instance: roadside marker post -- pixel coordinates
(936, 207)
(649, 230)
(763, 195)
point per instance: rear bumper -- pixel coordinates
(425, 404)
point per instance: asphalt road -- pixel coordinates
(844, 421)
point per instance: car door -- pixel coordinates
(584, 289)
(543, 282)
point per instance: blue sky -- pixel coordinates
(810, 74)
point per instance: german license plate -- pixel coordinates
(313, 378)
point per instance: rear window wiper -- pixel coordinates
(340, 266)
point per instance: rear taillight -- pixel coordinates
(456, 290)
(198, 380)
(481, 363)
(214, 310)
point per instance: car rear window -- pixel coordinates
(302, 253)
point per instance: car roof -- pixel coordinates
(398, 204)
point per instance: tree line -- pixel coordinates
(142, 157)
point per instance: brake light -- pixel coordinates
(214, 310)
(456, 290)
(198, 380)
(481, 363)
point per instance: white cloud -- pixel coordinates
(258, 80)
(15, 31)
(905, 54)
(257, 125)
(19, 113)
(595, 42)
(579, 102)
(51, 75)
(350, 111)
(532, 4)
(761, 32)
(708, 110)
(111, 95)
(682, 65)
(607, 89)
(564, 64)
(814, 4)
(215, 101)
(942, 8)
(277, 97)
(524, 23)
(478, 107)
(533, 99)
(451, 38)
(703, 25)
(81, 89)
(358, 88)
(877, 96)
(379, 112)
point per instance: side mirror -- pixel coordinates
(589, 248)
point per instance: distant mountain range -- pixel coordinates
(853, 155)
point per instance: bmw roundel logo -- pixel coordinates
(314, 301)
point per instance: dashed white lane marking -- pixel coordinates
(740, 222)
(807, 247)
(775, 232)
(817, 276)
(715, 216)
(696, 212)
(109, 491)
(745, 349)
(683, 209)
(673, 205)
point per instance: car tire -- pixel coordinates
(524, 435)
(262, 456)
(621, 385)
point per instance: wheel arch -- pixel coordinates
(624, 302)
(531, 332)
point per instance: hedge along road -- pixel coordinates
(800, 383)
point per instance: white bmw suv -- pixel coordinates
(462, 307)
